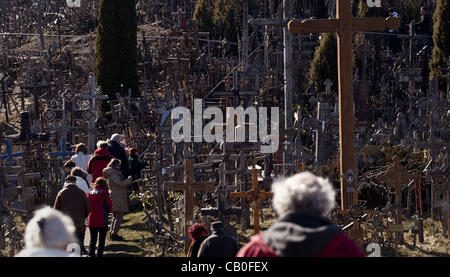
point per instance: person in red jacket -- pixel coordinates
(302, 203)
(101, 205)
(99, 160)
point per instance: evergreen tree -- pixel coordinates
(116, 47)
(226, 18)
(441, 38)
(203, 15)
(324, 64)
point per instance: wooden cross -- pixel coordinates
(92, 97)
(34, 86)
(254, 195)
(344, 25)
(396, 176)
(189, 186)
(63, 153)
(9, 155)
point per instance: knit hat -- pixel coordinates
(116, 137)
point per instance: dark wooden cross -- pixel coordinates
(189, 186)
(254, 195)
(344, 25)
(34, 87)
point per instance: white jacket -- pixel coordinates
(81, 160)
(45, 252)
(81, 184)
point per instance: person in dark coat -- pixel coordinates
(135, 167)
(425, 25)
(118, 152)
(302, 203)
(218, 244)
(198, 233)
(73, 202)
(101, 205)
(99, 161)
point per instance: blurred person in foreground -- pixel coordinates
(48, 234)
(302, 203)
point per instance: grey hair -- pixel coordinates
(303, 192)
(100, 143)
(49, 228)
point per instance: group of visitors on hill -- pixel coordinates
(95, 186)
(301, 202)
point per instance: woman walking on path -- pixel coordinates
(118, 191)
(101, 205)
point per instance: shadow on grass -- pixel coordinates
(138, 226)
(122, 247)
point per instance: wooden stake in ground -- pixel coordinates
(189, 186)
(344, 25)
(254, 195)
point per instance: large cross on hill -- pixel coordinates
(345, 25)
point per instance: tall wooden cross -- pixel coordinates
(92, 97)
(189, 186)
(344, 25)
(254, 195)
(35, 86)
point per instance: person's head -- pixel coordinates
(133, 152)
(423, 10)
(197, 230)
(101, 182)
(77, 171)
(69, 165)
(49, 228)
(303, 192)
(70, 180)
(81, 147)
(217, 226)
(102, 144)
(115, 163)
(116, 137)
(390, 11)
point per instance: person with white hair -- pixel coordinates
(118, 152)
(48, 234)
(302, 203)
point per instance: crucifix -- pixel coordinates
(396, 176)
(9, 155)
(254, 195)
(344, 25)
(189, 186)
(34, 86)
(93, 96)
(63, 153)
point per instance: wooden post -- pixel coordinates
(254, 195)
(189, 186)
(344, 25)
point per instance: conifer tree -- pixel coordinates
(203, 15)
(116, 47)
(441, 39)
(324, 64)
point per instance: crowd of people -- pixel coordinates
(95, 186)
(301, 202)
